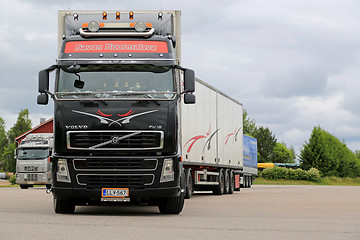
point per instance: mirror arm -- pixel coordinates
(51, 69)
(50, 94)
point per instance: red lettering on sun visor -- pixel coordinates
(116, 46)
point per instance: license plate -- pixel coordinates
(115, 192)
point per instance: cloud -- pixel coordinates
(293, 64)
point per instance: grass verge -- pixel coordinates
(332, 181)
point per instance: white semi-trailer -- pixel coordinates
(127, 126)
(212, 143)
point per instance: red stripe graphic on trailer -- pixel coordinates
(194, 139)
(228, 136)
(208, 136)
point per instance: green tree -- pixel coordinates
(3, 138)
(327, 153)
(249, 124)
(293, 153)
(357, 153)
(281, 154)
(266, 142)
(9, 163)
(22, 125)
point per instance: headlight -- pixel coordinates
(167, 173)
(62, 174)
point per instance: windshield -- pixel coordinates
(32, 153)
(116, 81)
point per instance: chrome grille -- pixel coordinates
(115, 140)
(33, 177)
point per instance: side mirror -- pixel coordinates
(189, 80)
(189, 98)
(79, 84)
(42, 99)
(43, 81)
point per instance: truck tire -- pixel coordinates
(174, 205)
(219, 189)
(250, 181)
(242, 185)
(24, 186)
(189, 184)
(66, 206)
(232, 182)
(226, 181)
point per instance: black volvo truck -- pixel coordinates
(118, 90)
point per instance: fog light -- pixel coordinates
(167, 173)
(62, 174)
(93, 26)
(140, 26)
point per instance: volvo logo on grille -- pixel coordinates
(114, 140)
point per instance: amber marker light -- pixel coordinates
(104, 14)
(117, 15)
(131, 15)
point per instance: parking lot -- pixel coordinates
(262, 212)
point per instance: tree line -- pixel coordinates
(323, 151)
(7, 140)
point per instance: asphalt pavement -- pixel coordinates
(261, 212)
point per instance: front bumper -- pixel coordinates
(66, 193)
(141, 175)
(33, 178)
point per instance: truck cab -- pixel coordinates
(33, 160)
(118, 87)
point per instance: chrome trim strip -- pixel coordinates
(146, 184)
(116, 34)
(111, 140)
(109, 131)
(116, 170)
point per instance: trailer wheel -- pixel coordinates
(189, 184)
(232, 182)
(174, 205)
(63, 206)
(242, 185)
(24, 186)
(226, 182)
(219, 189)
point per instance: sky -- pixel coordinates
(293, 64)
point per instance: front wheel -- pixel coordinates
(66, 206)
(189, 184)
(174, 205)
(24, 186)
